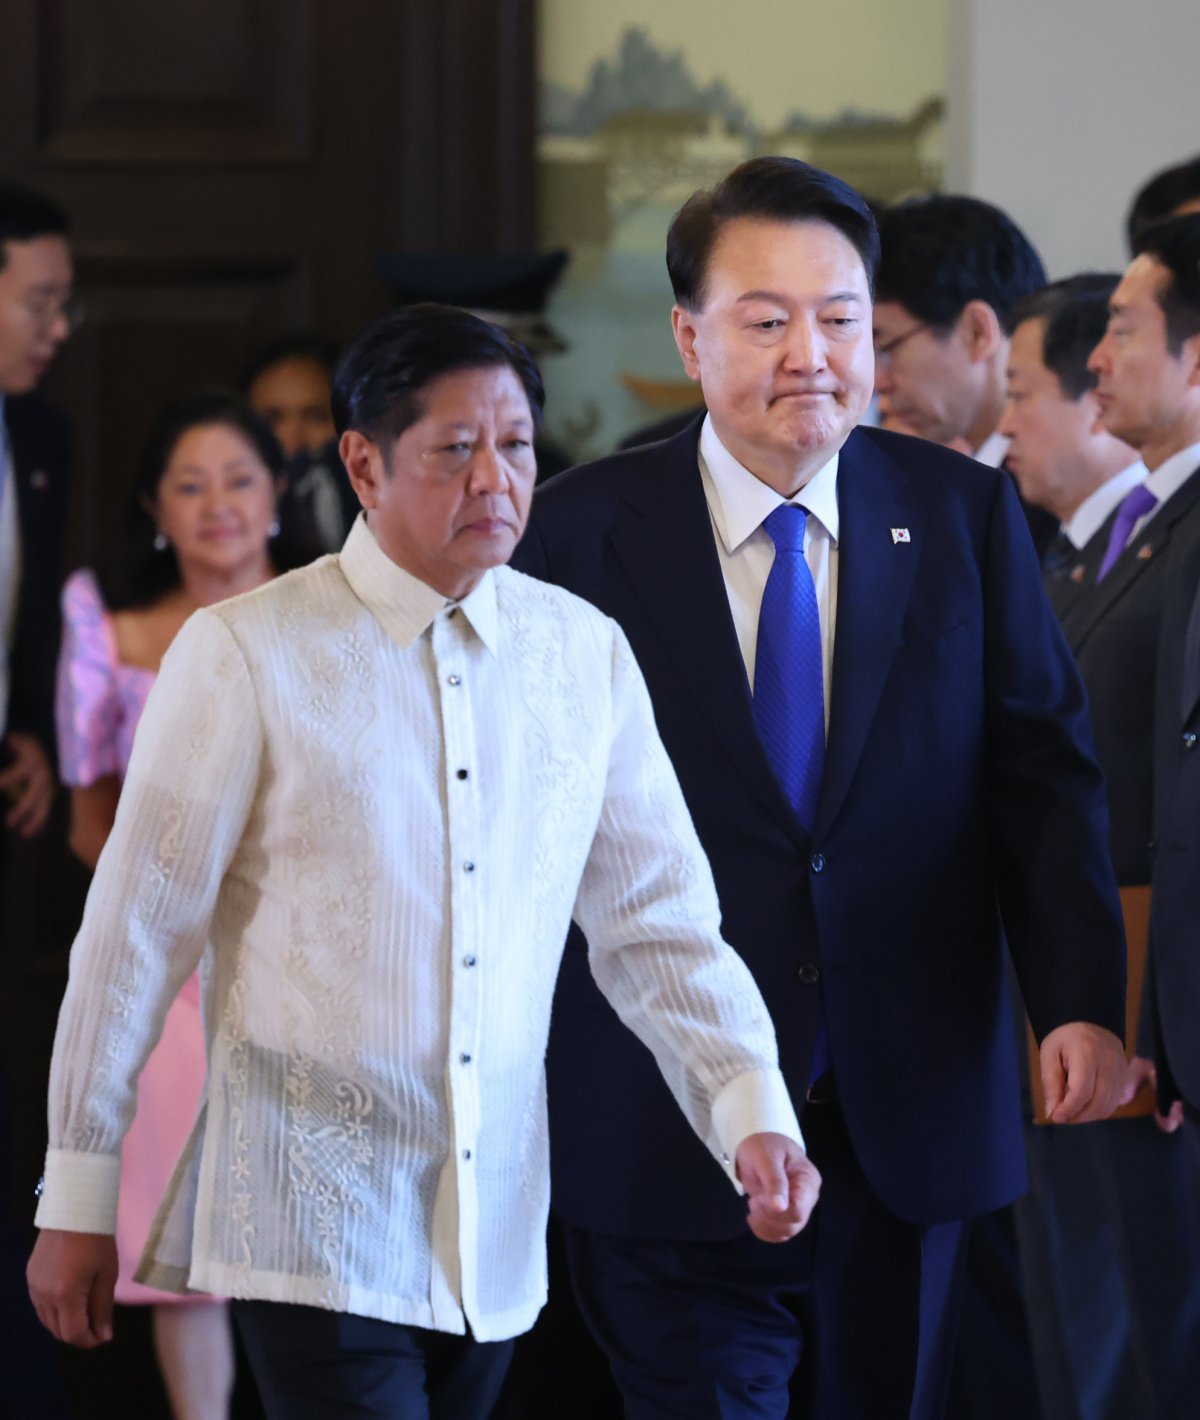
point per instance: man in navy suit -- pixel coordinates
(957, 802)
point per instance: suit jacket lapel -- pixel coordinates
(668, 552)
(1087, 611)
(875, 579)
(1190, 678)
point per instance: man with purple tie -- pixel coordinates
(883, 745)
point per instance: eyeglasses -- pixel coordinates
(46, 311)
(885, 351)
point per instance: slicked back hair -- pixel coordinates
(379, 380)
(1161, 195)
(768, 190)
(1075, 312)
(942, 251)
(1175, 244)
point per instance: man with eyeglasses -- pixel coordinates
(36, 317)
(952, 268)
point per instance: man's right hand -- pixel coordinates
(71, 1279)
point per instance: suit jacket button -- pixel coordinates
(1189, 739)
(810, 974)
(817, 862)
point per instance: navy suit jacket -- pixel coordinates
(959, 791)
(1113, 630)
(1172, 998)
(40, 446)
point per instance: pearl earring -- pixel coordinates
(273, 528)
(160, 542)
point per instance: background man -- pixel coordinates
(1062, 457)
(1117, 1199)
(862, 826)
(951, 270)
(1149, 369)
(374, 792)
(35, 319)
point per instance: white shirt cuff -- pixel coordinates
(756, 1102)
(79, 1192)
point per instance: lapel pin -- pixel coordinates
(1077, 572)
(900, 535)
(38, 480)
(1144, 552)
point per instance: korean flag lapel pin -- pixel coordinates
(900, 535)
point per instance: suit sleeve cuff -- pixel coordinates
(756, 1102)
(79, 1192)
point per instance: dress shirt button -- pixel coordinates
(461, 774)
(817, 862)
(810, 974)
(467, 1154)
(468, 866)
(464, 1059)
(469, 960)
(1189, 739)
(454, 679)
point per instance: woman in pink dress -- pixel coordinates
(199, 526)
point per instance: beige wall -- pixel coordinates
(1059, 109)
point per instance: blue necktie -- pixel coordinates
(789, 687)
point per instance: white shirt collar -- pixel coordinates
(404, 605)
(993, 451)
(740, 502)
(1089, 517)
(1170, 476)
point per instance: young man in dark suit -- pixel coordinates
(35, 290)
(35, 319)
(1149, 376)
(877, 816)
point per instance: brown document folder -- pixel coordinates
(1135, 903)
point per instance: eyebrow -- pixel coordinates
(782, 300)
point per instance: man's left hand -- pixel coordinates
(28, 780)
(1083, 1073)
(781, 1183)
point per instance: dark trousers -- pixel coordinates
(853, 1320)
(312, 1364)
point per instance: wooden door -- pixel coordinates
(232, 169)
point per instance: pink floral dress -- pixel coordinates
(99, 703)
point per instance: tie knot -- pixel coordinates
(1138, 502)
(785, 527)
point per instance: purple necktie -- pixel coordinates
(1136, 504)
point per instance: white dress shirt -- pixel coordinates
(10, 563)
(993, 451)
(1087, 520)
(738, 504)
(1167, 479)
(380, 811)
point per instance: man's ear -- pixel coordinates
(364, 465)
(683, 327)
(980, 330)
(1191, 357)
(1095, 412)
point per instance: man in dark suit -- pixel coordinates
(35, 290)
(952, 268)
(873, 816)
(1149, 377)
(35, 319)
(1117, 1199)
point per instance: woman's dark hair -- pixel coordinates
(132, 572)
(771, 190)
(294, 345)
(378, 383)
